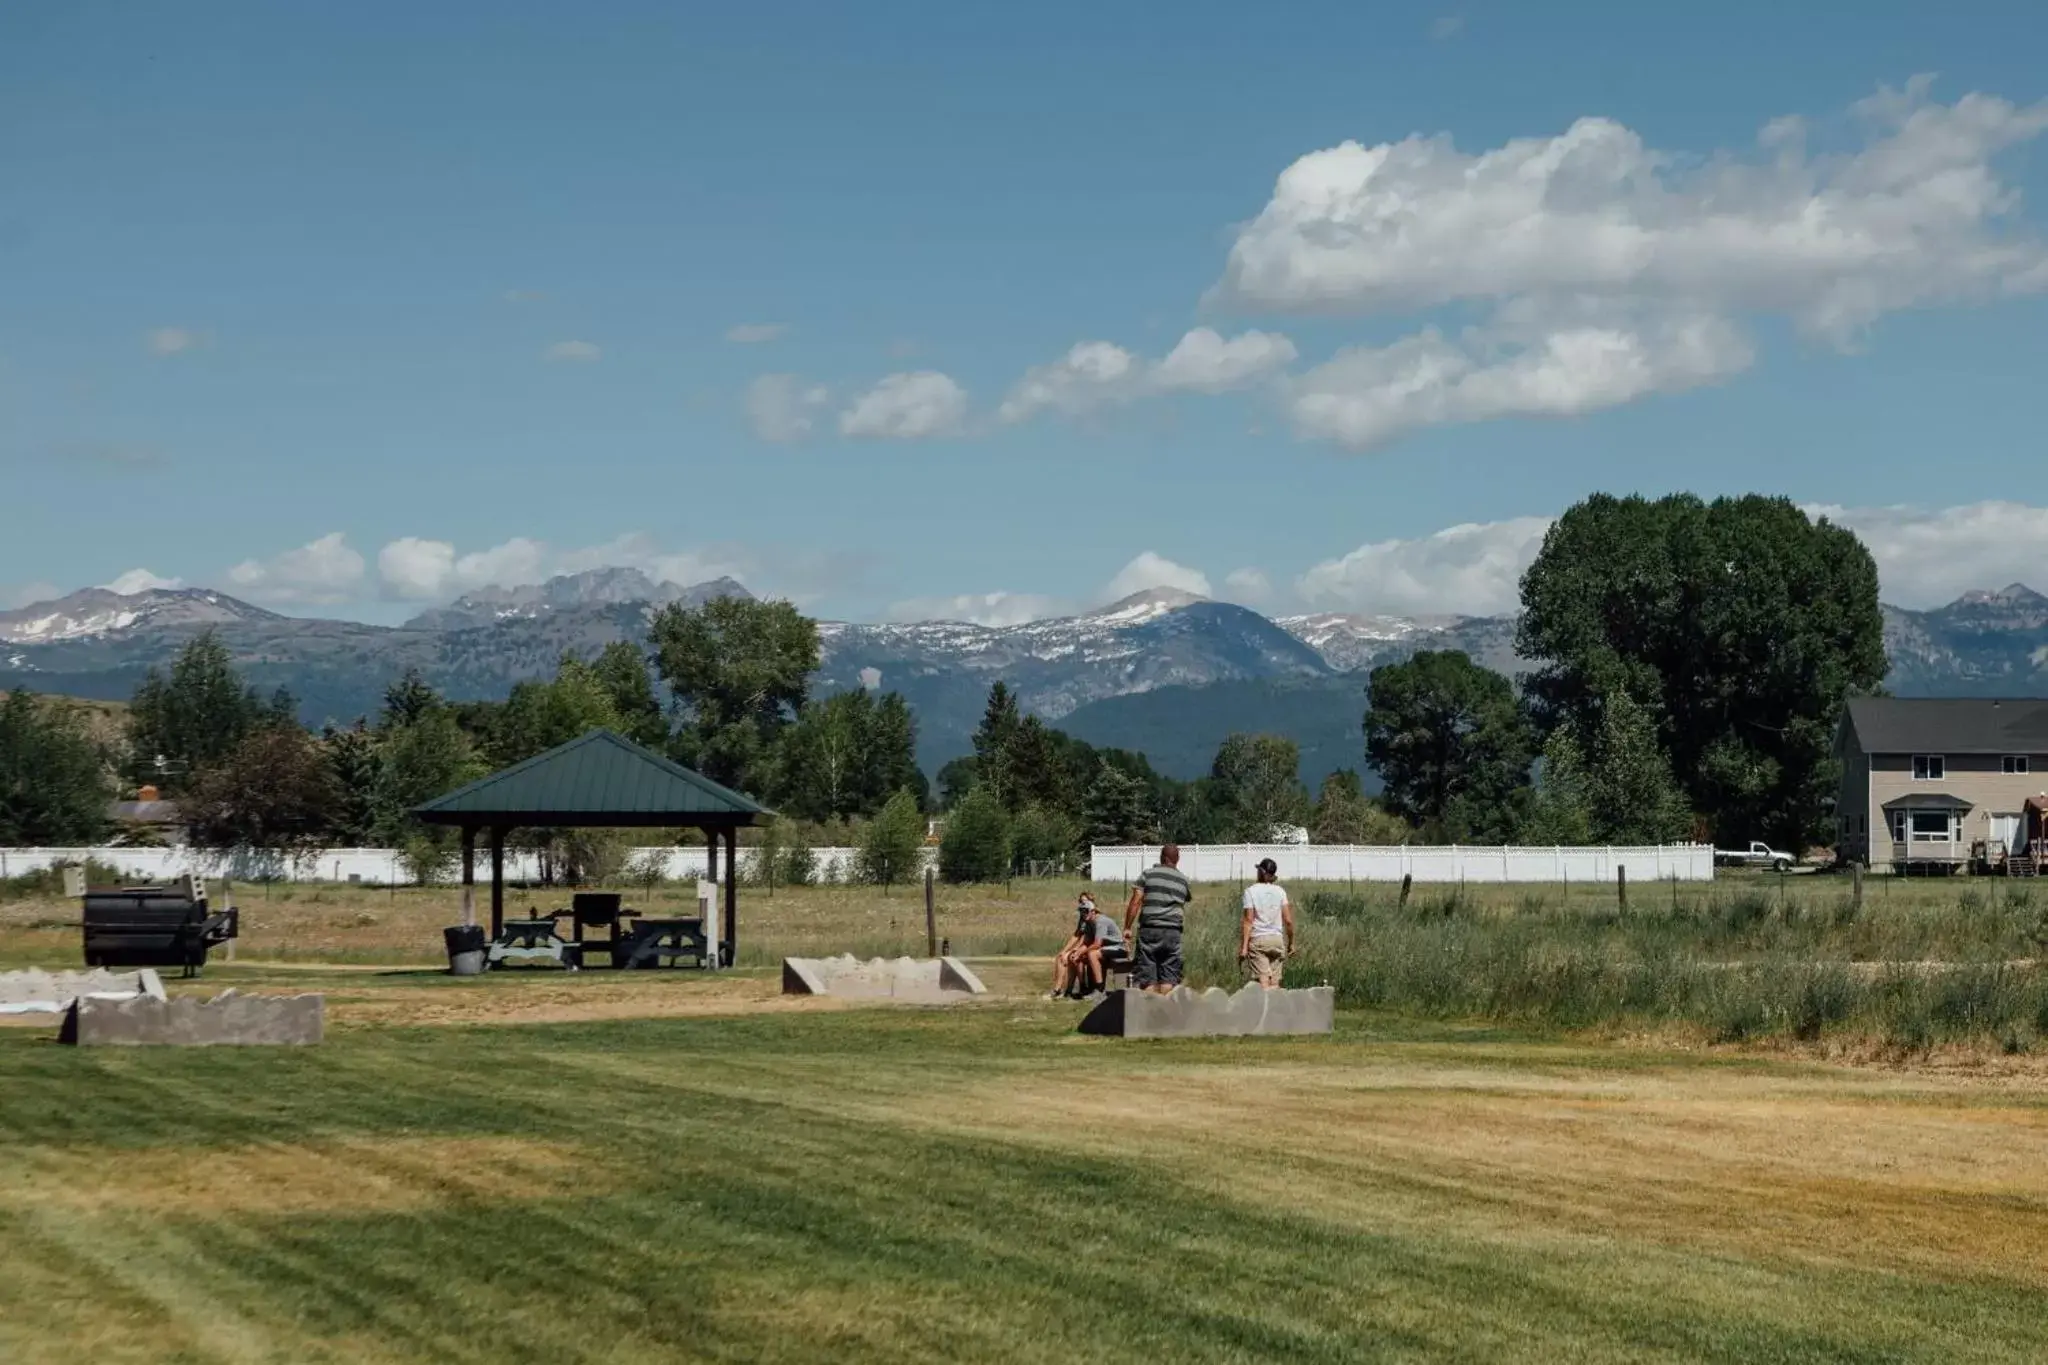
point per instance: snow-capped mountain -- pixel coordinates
(1157, 638)
(94, 613)
(1347, 641)
(566, 592)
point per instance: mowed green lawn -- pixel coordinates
(980, 1184)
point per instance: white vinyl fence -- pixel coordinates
(1425, 863)
(370, 866)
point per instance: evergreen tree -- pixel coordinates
(408, 699)
(1116, 811)
(353, 758)
(184, 722)
(54, 785)
(975, 846)
(537, 716)
(1612, 787)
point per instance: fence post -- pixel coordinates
(931, 922)
(1856, 887)
(1621, 883)
(1407, 885)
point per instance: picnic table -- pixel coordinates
(529, 939)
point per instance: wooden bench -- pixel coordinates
(153, 926)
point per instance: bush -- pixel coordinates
(976, 844)
(799, 863)
(1043, 839)
(892, 847)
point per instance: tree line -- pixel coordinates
(1695, 659)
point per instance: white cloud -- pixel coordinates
(1151, 570)
(1206, 362)
(1095, 374)
(982, 608)
(1615, 270)
(1366, 396)
(1930, 556)
(323, 571)
(1915, 216)
(416, 570)
(754, 333)
(783, 408)
(141, 580)
(1090, 373)
(1446, 27)
(171, 340)
(575, 352)
(908, 406)
(1249, 586)
(1470, 570)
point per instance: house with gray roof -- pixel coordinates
(1929, 783)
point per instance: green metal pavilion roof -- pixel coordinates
(596, 779)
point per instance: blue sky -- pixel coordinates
(349, 308)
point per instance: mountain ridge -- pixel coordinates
(1161, 662)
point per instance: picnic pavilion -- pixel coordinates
(598, 780)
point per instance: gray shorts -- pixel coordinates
(1158, 960)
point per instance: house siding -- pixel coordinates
(1976, 778)
(1852, 798)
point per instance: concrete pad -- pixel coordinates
(930, 981)
(1214, 1013)
(38, 992)
(226, 1020)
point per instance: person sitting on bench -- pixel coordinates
(1078, 967)
(1105, 949)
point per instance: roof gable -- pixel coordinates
(599, 778)
(1949, 725)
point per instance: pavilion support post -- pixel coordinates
(497, 882)
(732, 897)
(468, 876)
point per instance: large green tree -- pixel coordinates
(1738, 626)
(891, 848)
(54, 784)
(621, 669)
(182, 722)
(739, 670)
(975, 846)
(846, 755)
(1258, 783)
(537, 716)
(274, 795)
(1117, 809)
(1451, 745)
(1610, 784)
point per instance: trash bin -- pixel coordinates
(465, 949)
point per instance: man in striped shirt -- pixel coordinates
(1157, 908)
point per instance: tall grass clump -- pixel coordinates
(1737, 965)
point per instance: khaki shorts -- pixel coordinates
(1263, 963)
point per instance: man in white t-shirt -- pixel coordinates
(1266, 936)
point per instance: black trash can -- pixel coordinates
(465, 949)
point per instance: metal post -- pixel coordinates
(732, 896)
(497, 882)
(931, 923)
(468, 876)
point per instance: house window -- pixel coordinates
(2013, 765)
(1923, 826)
(1929, 767)
(1932, 827)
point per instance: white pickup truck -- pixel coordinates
(1756, 855)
